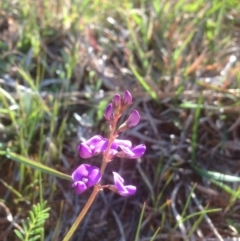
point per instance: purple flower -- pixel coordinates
(85, 176)
(98, 144)
(127, 98)
(109, 112)
(133, 119)
(133, 153)
(88, 149)
(120, 188)
(122, 143)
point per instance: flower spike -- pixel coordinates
(85, 176)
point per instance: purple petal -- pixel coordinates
(131, 190)
(80, 172)
(112, 153)
(127, 98)
(126, 152)
(93, 141)
(79, 186)
(109, 112)
(133, 119)
(118, 180)
(100, 146)
(121, 189)
(123, 143)
(138, 151)
(84, 151)
(94, 176)
(116, 100)
(114, 145)
(103, 144)
(133, 153)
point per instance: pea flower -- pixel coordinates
(88, 149)
(120, 188)
(98, 144)
(84, 177)
(133, 153)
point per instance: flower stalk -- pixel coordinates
(97, 186)
(82, 213)
(86, 175)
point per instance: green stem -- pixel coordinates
(82, 213)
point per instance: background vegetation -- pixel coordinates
(62, 61)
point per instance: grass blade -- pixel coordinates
(215, 175)
(37, 165)
(139, 223)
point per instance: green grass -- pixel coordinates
(161, 51)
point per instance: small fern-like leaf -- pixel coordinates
(35, 238)
(33, 226)
(19, 234)
(24, 225)
(31, 215)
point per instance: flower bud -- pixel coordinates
(116, 101)
(133, 119)
(127, 98)
(109, 112)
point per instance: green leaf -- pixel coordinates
(33, 227)
(37, 237)
(19, 235)
(37, 165)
